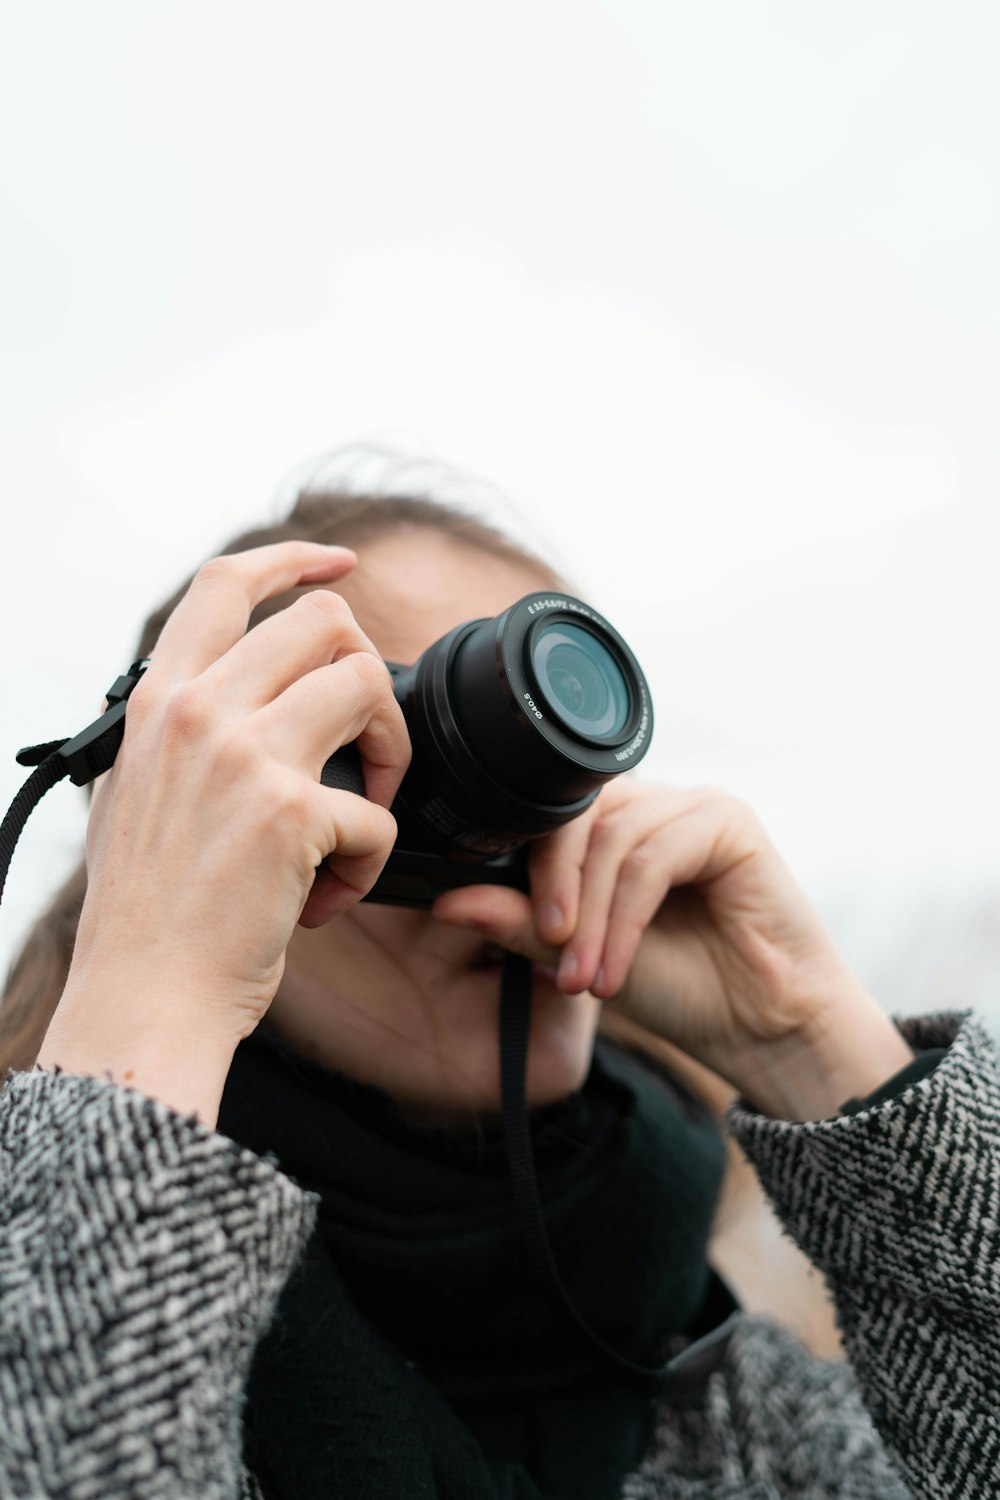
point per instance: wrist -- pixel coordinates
(847, 1050)
(163, 1050)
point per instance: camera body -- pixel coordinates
(516, 723)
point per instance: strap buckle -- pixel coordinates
(92, 751)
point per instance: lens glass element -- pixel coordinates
(580, 680)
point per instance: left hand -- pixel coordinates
(674, 905)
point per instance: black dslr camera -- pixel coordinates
(516, 723)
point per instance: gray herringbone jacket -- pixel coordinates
(141, 1256)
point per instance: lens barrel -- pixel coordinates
(516, 723)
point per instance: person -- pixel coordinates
(256, 1228)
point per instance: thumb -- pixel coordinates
(503, 915)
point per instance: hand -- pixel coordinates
(674, 906)
(205, 837)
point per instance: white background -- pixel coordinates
(709, 292)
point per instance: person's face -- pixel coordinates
(389, 994)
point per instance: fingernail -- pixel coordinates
(569, 967)
(550, 915)
(599, 978)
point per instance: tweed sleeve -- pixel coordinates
(141, 1257)
(899, 1206)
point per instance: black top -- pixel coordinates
(415, 1281)
(414, 1341)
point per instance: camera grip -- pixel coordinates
(343, 772)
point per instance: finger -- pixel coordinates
(215, 611)
(711, 833)
(347, 701)
(352, 839)
(644, 880)
(578, 962)
(613, 837)
(319, 628)
(705, 835)
(503, 915)
(555, 865)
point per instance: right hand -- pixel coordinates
(205, 837)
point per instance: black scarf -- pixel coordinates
(413, 1352)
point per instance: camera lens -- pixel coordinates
(516, 723)
(580, 680)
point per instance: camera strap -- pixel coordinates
(81, 757)
(515, 1028)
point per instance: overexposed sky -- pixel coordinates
(708, 292)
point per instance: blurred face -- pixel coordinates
(388, 994)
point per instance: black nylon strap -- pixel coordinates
(41, 780)
(515, 1028)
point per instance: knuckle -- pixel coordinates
(329, 607)
(215, 571)
(285, 803)
(233, 752)
(604, 834)
(639, 864)
(186, 714)
(372, 673)
(293, 807)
